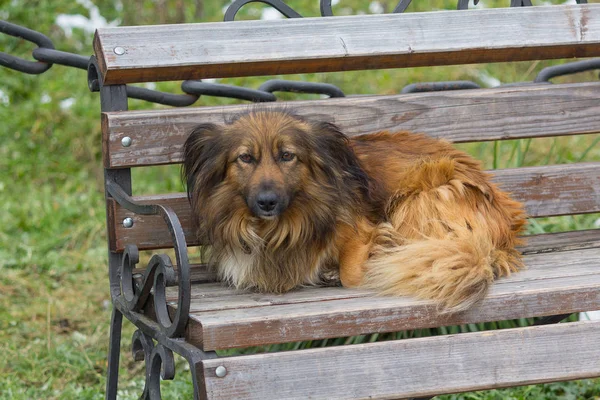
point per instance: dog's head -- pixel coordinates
(271, 161)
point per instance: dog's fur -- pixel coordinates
(284, 201)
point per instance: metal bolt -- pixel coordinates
(128, 222)
(221, 371)
(126, 141)
(119, 50)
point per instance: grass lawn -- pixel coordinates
(54, 300)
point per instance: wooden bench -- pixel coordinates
(179, 308)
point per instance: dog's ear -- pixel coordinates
(338, 159)
(204, 159)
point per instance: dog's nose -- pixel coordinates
(267, 201)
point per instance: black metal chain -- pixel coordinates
(46, 56)
(439, 86)
(19, 64)
(567, 69)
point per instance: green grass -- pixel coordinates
(54, 301)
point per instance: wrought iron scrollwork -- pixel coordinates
(159, 273)
(401, 6)
(326, 9)
(464, 4)
(159, 360)
(279, 5)
(520, 3)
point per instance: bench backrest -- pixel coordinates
(248, 48)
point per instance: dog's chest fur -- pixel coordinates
(236, 266)
(275, 273)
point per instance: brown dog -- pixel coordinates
(284, 201)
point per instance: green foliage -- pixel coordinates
(54, 301)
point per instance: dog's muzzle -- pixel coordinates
(268, 204)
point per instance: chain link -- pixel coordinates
(19, 64)
(439, 86)
(280, 85)
(222, 90)
(567, 69)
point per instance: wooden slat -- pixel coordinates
(545, 191)
(414, 367)
(217, 296)
(222, 297)
(543, 243)
(554, 283)
(562, 241)
(459, 116)
(149, 231)
(199, 273)
(251, 48)
(554, 190)
(230, 299)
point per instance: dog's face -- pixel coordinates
(267, 159)
(267, 162)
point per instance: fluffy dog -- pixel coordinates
(284, 201)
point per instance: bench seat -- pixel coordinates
(562, 276)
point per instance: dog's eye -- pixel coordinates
(287, 156)
(247, 158)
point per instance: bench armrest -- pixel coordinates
(160, 273)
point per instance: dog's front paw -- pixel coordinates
(384, 238)
(330, 277)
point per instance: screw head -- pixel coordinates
(128, 222)
(126, 141)
(119, 50)
(221, 371)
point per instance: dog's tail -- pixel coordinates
(455, 272)
(446, 243)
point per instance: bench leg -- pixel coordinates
(114, 350)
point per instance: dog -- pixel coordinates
(284, 202)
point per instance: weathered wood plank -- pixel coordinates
(414, 367)
(216, 296)
(149, 231)
(199, 273)
(554, 190)
(545, 191)
(251, 48)
(459, 116)
(554, 283)
(214, 301)
(562, 241)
